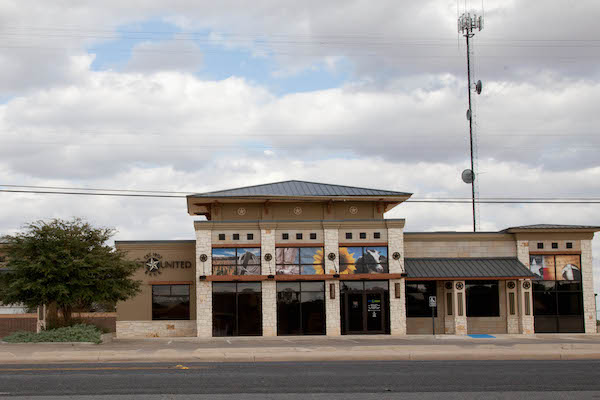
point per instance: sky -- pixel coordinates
(195, 96)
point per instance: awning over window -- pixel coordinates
(466, 268)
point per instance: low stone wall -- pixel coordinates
(142, 329)
(10, 323)
(489, 325)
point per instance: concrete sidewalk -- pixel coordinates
(345, 348)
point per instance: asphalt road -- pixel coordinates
(448, 380)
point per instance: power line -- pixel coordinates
(423, 201)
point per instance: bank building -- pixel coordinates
(303, 258)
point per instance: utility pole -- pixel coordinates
(467, 24)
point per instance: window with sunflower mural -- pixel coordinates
(299, 261)
(363, 260)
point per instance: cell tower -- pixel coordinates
(468, 23)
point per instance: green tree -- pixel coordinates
(65, 265)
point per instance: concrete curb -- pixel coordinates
(316, 354)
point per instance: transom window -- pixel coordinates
(299, 261)
(170, 302)
(363, 260)
(236, 261)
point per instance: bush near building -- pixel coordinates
(75, 333)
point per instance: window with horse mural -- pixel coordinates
(236, 261)
(363, 260)
(559, 268)
(300, 261)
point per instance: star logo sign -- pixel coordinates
(153, 263)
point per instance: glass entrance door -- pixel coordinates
(364, 307)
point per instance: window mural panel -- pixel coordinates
(363, 260)
(299, 261)
(559, 268)
(236, 261)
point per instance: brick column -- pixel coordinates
(587, 278)
(526, 326)
(397, 307)
(512, 307)
(449, 319)
(269, 308)
(332, 244)
(267, 246)
(203, 288)
(459, 298)
(332, 308)
(395, 233)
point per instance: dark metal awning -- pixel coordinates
(466, 268)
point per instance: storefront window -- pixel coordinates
(363, 260)
(483, 298)
(299, 261)
(300, 308)
(236, 261)
(557, 293)
(417, 298)
(170, 302)
(237, 309)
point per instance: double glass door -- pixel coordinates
(364, 307)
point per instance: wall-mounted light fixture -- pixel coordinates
(332, 291)
(397, 290)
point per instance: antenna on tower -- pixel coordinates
(468, 23)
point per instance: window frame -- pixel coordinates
(299, 264)
(171, 295)
(299, 294)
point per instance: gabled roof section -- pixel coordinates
(467, 268)
(551, 227)
(300, 189)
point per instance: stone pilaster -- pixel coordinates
(397, 307)
(526, 326)
(267, 246)
(450, 308)
(203, 247)
(459, 299)
(523, 252)
(395, 235)
(332, 308)
(204, 309)
(332, 244)
(269, 308)
(512, 307)
(587, 281)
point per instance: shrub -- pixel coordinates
(76, 333)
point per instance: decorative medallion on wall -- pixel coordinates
(241, 211)
(510, 285)
(297, 210)
(353, 210)
(153, 263)
(268, 257)
(203, 258)
(448, 285)
(459, 286)
(331, 256)
(526, 285)
(396, 256)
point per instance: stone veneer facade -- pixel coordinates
(333, 223)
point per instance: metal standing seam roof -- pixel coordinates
(299, 188)
(497, 267)
(552, 226)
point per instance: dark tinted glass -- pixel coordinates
(570, 304)
(249, 314)
(350, 285)
(249, 287)
(170, 302)
(313, 313)
(180, 290)
(288, 312)
(287, 286)
(224, 315)
(313, 286)
(543, 286)
(568, 286)
(223, 287)
(483, 298)
(161, 290)
(376, 285)
(544, 303)
(417, 299)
